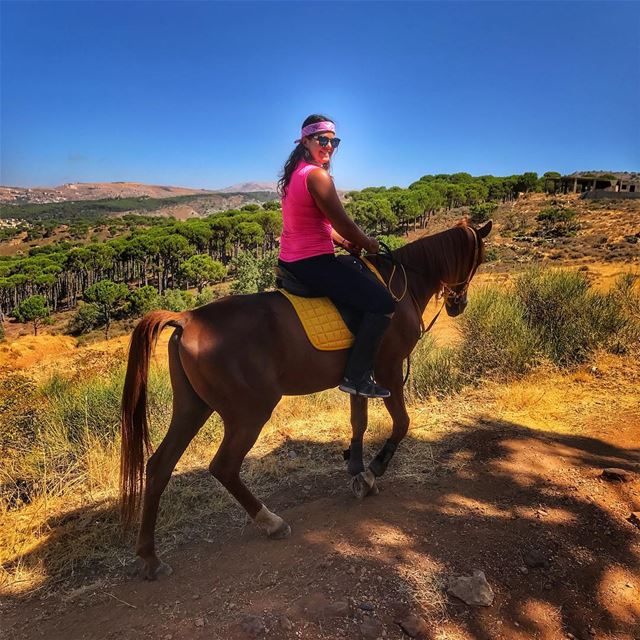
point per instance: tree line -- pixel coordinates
(165, 254)
(385, 210)
(79, 217)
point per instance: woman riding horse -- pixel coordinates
(313, 219)
(239, 355)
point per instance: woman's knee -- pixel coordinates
(386, 304)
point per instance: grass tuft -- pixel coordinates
(434, 371)
(496, 339)
(571, 320)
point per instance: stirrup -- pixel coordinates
(365, 386)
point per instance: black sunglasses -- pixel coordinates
(324, 141)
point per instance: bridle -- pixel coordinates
(446, 292)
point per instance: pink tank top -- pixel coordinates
(306, 231)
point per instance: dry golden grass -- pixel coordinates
(43, 541)
(74, 524)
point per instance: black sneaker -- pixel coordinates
(366, 387)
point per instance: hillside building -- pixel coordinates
(605, 185)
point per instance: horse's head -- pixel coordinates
(455, 295)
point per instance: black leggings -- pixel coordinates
(343, 284)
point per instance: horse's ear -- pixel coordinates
(484, 230)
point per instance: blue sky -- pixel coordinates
(208, 94)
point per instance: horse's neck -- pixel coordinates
(427, 267)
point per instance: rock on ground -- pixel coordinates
(474, 590)
(414, 626)
(619, 475)
(370, 629)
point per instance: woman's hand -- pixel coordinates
(351, 247)
(373, 246)
(347, 245)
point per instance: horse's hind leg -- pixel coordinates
(189, 414)
(241, 430)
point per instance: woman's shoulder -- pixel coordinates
(305, 167)
(308, 168)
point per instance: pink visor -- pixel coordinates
(316, 127)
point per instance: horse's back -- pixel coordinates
(255, 340)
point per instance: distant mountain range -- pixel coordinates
(250, 187)
(108, 190)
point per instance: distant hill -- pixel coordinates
(249, 187)
(76, 191)
(92, 191)
(91, 211)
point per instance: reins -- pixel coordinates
(446, 291)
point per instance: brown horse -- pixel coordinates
(239, 355)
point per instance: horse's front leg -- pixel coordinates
(362, 482)
(398, 412)
(359, 417)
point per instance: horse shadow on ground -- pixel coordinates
(527, 507)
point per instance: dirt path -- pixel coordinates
(500, 497)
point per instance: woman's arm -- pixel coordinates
(324, 193)
(343, 242)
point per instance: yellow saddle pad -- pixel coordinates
(321, 320)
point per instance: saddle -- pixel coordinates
(328, 326)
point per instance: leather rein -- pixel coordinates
(446, 291)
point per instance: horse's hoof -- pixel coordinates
(162, 569)
(358, 487)
(364, 484)
(283, 531)
(271, 524)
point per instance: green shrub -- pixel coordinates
(47, 432)
(267, 271)
(434, 371)
(491, 254)
(92, 406)
(609, 323)
(393, 242)
(254, 274)
(571, 320)
(177, 300)
(556, 214)
(17, 411)
(246, 273)
(557, 222)
(481, 212)
(142, 300)
(205, 297)
(496, 340)
(626, 297)
(86, 318)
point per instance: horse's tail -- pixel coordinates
(134, 418)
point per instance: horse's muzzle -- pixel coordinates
(455, 308)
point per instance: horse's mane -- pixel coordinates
(439, 253)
